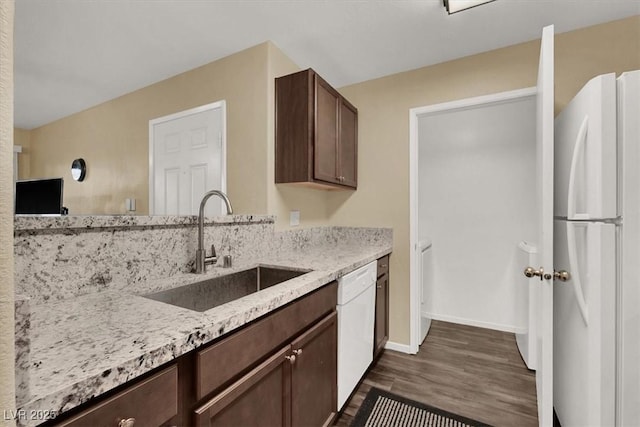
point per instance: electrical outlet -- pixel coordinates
(294, 218)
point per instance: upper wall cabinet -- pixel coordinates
(316, 133)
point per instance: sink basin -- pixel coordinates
(206, 294)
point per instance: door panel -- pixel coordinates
(584, 345)
(326, 132)
(260, 398)
(585, 153)
(348, 166)
(171, 196)
(314, 374)
(190, 145)
(199, 185)
(356, 322)
(629, 291)
(544, 172)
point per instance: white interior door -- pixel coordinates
(629, 292)
(187, 159)
(544, 170)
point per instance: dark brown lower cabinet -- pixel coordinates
(280, 370)
(294, 387)
(382, 307)
(314, 375)
(260, 398)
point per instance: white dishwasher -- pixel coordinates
(356, 317)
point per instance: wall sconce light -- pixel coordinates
(78, 169)
(454, 6)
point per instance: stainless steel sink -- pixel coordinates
(206, 294)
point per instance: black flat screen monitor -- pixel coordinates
(39, 196)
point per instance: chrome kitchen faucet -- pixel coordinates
(202, 260)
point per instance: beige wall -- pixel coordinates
(113, 137)
(383, 105)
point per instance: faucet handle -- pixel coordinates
(226, 261)
(212, 259)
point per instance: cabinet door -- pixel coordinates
(260, 398)
(348, 159)
(314, 375)
(325, 152)
(382, 314)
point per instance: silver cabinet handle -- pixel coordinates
(128, 422)
(297, 352)
(291, 359)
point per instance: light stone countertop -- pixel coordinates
(85, 346)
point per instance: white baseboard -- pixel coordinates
(403, 348)
(477, 323)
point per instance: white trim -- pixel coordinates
(477, 323)
(464, 104)
(17, 149)
(414, 288)
(414, 115)
(213, 106)
(403, 348)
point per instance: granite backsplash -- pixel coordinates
(58, 258)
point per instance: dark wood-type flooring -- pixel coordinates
(474, 372)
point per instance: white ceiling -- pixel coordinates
(74, 54)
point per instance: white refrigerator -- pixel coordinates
(596, 313)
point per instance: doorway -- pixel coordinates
(187, 157)
(472, 193)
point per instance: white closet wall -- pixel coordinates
(476, 203)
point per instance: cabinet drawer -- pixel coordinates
(245, 348)
(383, 265)
(151, 402)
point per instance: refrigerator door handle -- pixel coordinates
(575, 271)
(578, 148)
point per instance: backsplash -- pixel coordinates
(63, 257)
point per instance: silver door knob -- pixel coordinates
(561, 275)
(532, 272)
(128, 422)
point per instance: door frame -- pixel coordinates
(222, 105)
(414, 257)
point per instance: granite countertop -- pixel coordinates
(85, 346)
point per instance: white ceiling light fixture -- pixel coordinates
(454, 6)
